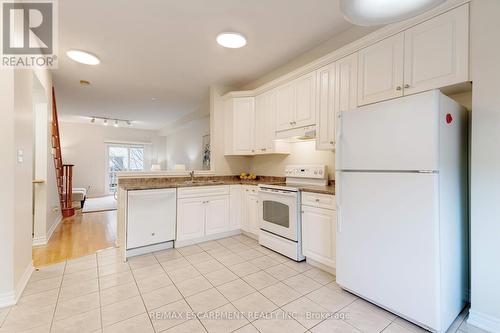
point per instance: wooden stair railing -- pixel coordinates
(64, 172)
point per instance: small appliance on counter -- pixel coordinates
(280, 218)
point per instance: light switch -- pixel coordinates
(20, 156)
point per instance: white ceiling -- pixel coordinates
(167, 49)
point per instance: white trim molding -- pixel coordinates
(12, 297)
(43, 240)
(484, 321)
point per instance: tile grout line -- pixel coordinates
(99, 289)
(58, 296)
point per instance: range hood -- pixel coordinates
(306, 133)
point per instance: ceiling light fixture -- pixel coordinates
(231, 40)
(106, 121)
(378, 12)
(83, 57)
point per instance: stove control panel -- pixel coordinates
(306, 171)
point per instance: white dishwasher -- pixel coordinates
(151, 217)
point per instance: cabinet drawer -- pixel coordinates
(249, 189)
(202, 191)
(326, 201)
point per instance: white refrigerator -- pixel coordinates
(402, 203)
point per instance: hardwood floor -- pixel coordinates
(78, 236)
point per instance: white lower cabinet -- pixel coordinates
(319, 227)
(235, 206)
(203, 215)
(190, 218)
(251, 208)
(216, 215)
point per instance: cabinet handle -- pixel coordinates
(263, 149)
(152, 234)
(407, 86)
(398, 88)
(317, 200)
(331, 142)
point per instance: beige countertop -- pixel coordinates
(131, 184)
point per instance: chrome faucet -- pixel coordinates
(191, 174)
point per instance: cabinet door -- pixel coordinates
(216, 215)
(437, 52)
(347, 83)
(190, 218)
(151, 217)
(380, 71)
(235, 207)
(265, 120)
(305, 113)
(285, 106)
(326, 107)
(253, 213)
(319, 234)
(243, 125)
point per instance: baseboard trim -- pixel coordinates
(54, 226)
(43, 240)
(10, 298)
(207, 238)
(321, 266)
(484, 321)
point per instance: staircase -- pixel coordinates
(64, 172)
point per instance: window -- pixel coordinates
(123, 158)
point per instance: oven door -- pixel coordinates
(279, 212)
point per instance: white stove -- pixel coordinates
(280, 217)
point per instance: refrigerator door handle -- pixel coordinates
(338, 144)
(337, 202)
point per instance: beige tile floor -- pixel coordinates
(233, 284)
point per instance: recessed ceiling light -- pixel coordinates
(232, 40)
(378, 12)
(154, 98)
(83, 57)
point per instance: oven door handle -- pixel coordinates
(285, 193)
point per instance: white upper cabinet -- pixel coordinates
(285, 106)
(295, 103)
(437, 52)
(239, 126)
(305, 88)
(431, 55)
(265, 121)
(336, 92)
(380, 72)
(325, 127)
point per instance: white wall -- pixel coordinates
(16, 134)
(8, 150)
(184, 144)
(84, 146)
(485, 172)
(301, 153)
